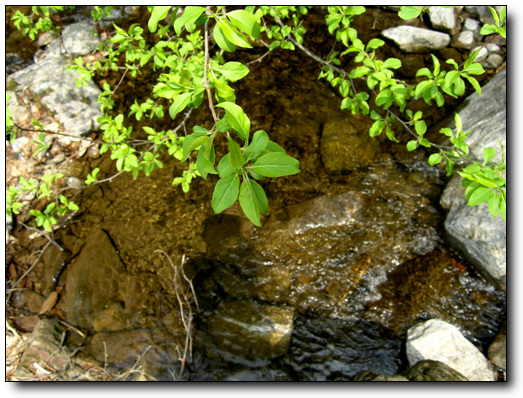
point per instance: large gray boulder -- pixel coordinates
(440, 341)
(472, 231)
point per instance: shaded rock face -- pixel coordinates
(497, 352)
(472, 231)
(320, 253)
(440, 341)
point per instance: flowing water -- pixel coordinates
(346, 261)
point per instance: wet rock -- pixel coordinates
(472, 231)
(497, 352)
(413, 40)
(334, 349)
(78, 39)
(440, 341)
(251, 330)
(443, 19)
(429, 370)
(92, 280)
(345, 146)
(52, 86)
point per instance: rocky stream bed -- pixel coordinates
(365, 262)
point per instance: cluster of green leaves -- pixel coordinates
(39, 21)
(27, 189)
(486, 182)
(500, 21)
(254, 160)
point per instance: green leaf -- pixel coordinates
(359, 72)
(487, 30)
(223, 125)
(276, 164)
(237, 119)
(192, 142)
(474, 84)
(224, 167)
(374, 43)
(190, 15)
(245, 21)
(436, 63)
(412, 145)
(493, 206)
(421, 127)
(393, 63)
(260, 140)
(179, 103)
(408, 12)
(488, 153)
(480, 195)
(236, 157)
(222, 41)
(233, 71)
(253, 201)
(231, 33)
(475, 69)
(273, 147)
(376, 128)
(158, 13)
(225, 193)
(435, 158)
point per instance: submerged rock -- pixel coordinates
(497, 352)
(252, 330)
(440, 341)
(433, 371)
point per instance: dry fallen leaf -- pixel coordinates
(49, 303)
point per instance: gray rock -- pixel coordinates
(433, 371)
(19, 144)
(75, 183)
(482, 54)
(443, 19)
(464, 39)
(252, 330)
(53, 86)
(411, 39)
(78, 39)
(474, 26)
(472, 231)
(497, 352)
(495, 60)
(440, 341)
